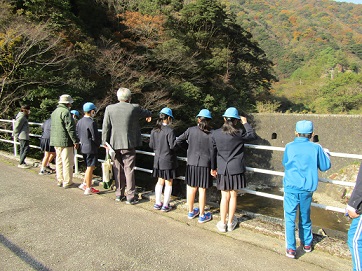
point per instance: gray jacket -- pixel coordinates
(21, 127)
(121, 127)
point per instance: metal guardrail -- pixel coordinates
(245, 190)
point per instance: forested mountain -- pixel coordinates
(298, 56)
(316, 48)
(184, 55)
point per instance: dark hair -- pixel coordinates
(204, 124)
(305, 135)
(159, 122)
(25, 107)
(229, 126)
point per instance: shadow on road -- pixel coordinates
(23, 255)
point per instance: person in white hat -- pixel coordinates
(64, 138)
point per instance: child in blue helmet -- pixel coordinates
(197, 174)
(163, 143)
(75, 115)
(89, 143)
(227, 164)
(302, 159)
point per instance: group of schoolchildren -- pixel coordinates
(218, 153)
(210, 153)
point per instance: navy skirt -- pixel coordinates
(45, 145)
(196, 176)
(166, 174)
(231, 182)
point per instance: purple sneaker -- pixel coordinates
(166, 208)
(157, 206)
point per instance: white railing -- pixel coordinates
(249, 191)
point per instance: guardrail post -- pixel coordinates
(14, 140)
(76, 169)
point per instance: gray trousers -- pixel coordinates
(24, 150)
(123, 171)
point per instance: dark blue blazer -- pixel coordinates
(227, 151)
(88, 135)
(356, 198)
(164, 145)
(198, 151)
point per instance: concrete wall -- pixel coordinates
(338, 133)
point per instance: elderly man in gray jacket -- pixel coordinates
(122, 131)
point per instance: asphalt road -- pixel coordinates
(44, 227)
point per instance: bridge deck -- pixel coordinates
(44, 227)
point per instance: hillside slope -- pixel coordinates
(311, 43)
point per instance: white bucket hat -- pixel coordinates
(65, 99)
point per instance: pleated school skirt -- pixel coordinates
(196, 176)
(166, 174)
(231, 182)
(45, 145)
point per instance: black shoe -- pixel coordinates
(121, 198)
(132, 201)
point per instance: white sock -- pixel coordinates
(167, 194)
(158, 193)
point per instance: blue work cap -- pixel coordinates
(75, 112)
(304, 127)
(88, 107)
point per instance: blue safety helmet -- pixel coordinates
(75, 112)
(231, 112)
(167, 111)
(88, 107)
(204, 113)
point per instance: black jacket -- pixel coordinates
(87, 132)
(356, 197)
(227, 151)
(163, 144)
(198, 151)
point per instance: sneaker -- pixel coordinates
(49, 169)
(60, 184)
(132, 201)
(291, 253)
(121, 198)
(157, 206)
(233, 224)
(69, 185)
(193, 214)
(166, 208)
(91, 191)
(204, 218)
(24, 166)
(221, 226)
(307, 248)
(43, 172)
(82, 186)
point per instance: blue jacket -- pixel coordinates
(302, 159)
